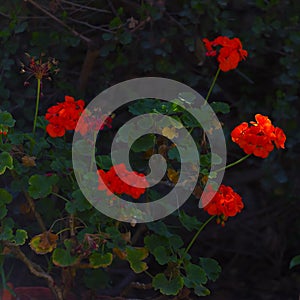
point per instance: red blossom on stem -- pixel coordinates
(63, 116)
(113, 184)
(225, 203)
(259, 137)
(229, 51)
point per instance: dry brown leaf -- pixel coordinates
(28, 161)
(43, 243)
(173, 175)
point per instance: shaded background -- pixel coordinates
(100, 43)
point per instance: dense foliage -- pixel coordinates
(97, 44)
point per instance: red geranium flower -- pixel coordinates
(225, 203)
(258, 139)
(64, 116)
(231, 52)
(113, 184)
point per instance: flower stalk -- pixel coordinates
(38, 94)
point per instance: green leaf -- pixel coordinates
(6, 119)
(5, 197)
(16, 138)
(79, 203)
(201, 290)
(295, 262)
(41, 122)
(207, 159)
(57, 143)
(153, 241)
(195, 274)
(63, 257)
(115, 237)
(190, 223)
(176, 242)
(125, 38)
(3, 211)
(41, 185)
(211, 268)
(98, 260)
(104, 162)
(20, 237)
(161, 255)
(21, 27)
(107, 36)
(159, 228)
(107, 48)
(78, 196)
(221, 107)
(135, 257)
(167, 287)
(6, 161)
(144, 143)
(143, 106)
(6, 232)
(173, 153)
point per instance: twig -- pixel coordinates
(86, 7)
(141, 229)
(36, 213)
(74, 32)
(22, 17)
(112, 8)
(36, 270)
(176, 22)
(90, 25)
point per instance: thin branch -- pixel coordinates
(176, 22)
(36, 213)
(112, 8)
(35, 269)
(89, 25)
(86, 7)
(22, 17)
(74, 32)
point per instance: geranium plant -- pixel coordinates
(78, 241)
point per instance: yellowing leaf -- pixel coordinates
(135, 255)
(170, 132)
(43, 243)
(173, 175)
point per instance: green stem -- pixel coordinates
(38, 93)
(197, 234)
(59, 196)
(234, 163)
(212, 85)
(150, 275)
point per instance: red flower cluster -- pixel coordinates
(113, 184)
(225, 203)
(3, 130)
(230, 53)
(90, 121)
(258, 139)
(63, 116)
